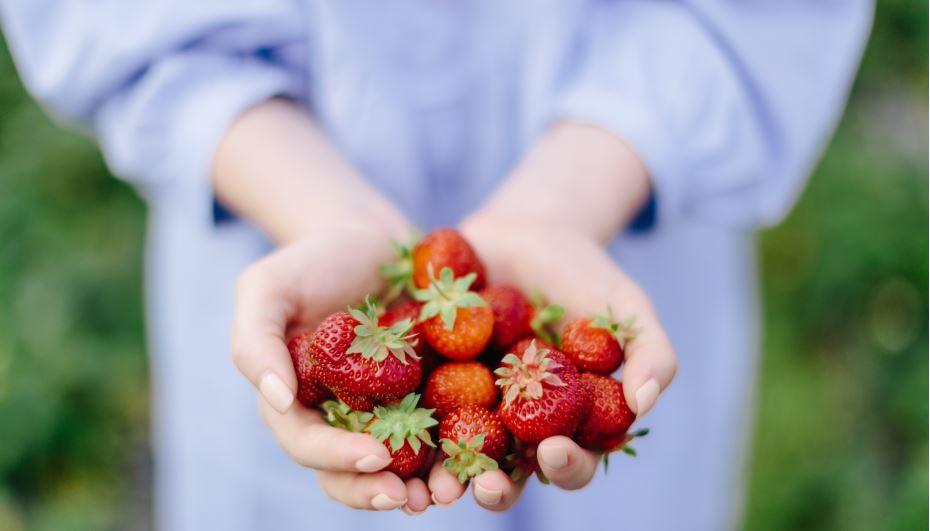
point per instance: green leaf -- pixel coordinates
(445, 295)
(403, 423)
(448, 317)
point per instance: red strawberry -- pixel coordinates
(542, 392)
(445, 248)
(515, 317)
(309, 392)
(404, 430)
(407, 309)
(362, 362)
(466, 339)
(604, 426)
(456, 322)
(513, 314)
(596, 343)
(473, 440)
(459, 383)
(410, 309)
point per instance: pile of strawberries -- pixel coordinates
(446, 333)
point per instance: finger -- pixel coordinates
(650, 366)
(566, 464)
(651, 362)
(495, 491)
(417, 497)
(381, 491)
(445, 488)
(258, 347)
(310, 442)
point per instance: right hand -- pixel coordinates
(293, 289)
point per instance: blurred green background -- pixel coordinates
(841, 431)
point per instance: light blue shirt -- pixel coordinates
(728, 103)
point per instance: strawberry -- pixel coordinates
(513, 314)
(362, 362)
(410, 309)
(473, 440)
(444, 248)
(515, 317)
(542, 392)
(404, 430)
(407, 309)
(309, 391)
(597, 343)
(604, 426)
(456, 322)
(606, 422)
(459, 383)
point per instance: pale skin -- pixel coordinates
(545, 225)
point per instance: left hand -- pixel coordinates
(575, 271)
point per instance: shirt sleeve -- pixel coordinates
(729, 104)
(157, 82)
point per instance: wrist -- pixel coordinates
(275, 167)
(577, 176)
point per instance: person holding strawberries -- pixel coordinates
(608, 153)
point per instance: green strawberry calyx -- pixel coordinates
(399, 274)
(465, 459)
(623, 331)
(624, 446)
(524, 377)
(339, 415)
(446, 294)
(403, 423)
(544, 317)
(376, 342)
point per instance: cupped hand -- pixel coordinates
(291, 290)
(576, 272)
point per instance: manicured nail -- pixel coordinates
(439, 503)
(276, 392)
(410, 512)
(488, 496)
(554, 457)
(371, 463)
(383, 502)
(646, 396)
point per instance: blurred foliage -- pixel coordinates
(73, 382)
(841, 430)
(841, 427)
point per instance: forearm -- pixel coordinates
(276, 168)
(577, 176)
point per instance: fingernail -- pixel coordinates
(371, 463)
(410, 512)
(383, 502)
(488, 496)
(276, 392)
(439, 503)
(646, 396)
(553, 456)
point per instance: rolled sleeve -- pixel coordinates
(158, 82)
(727, 106)
(165, 129)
